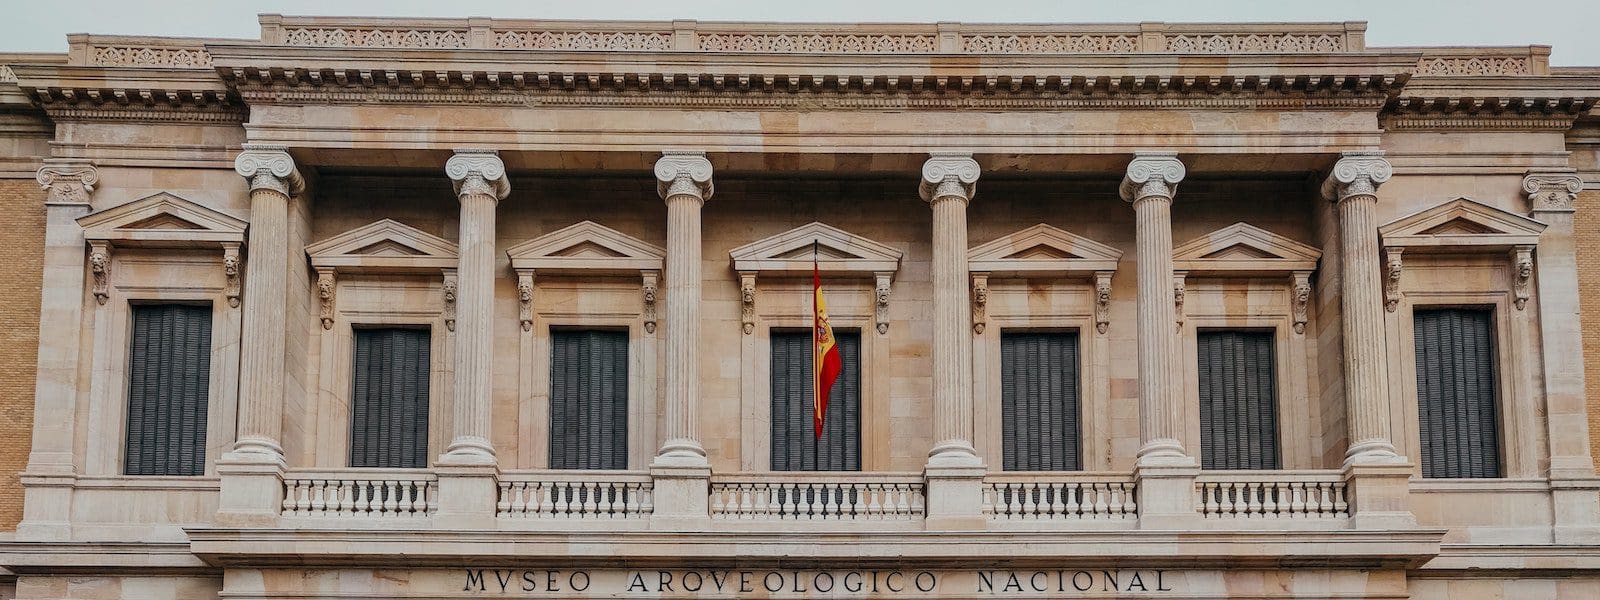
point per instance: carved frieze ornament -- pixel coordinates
(1392, 267)
(1152, 174)
(1551, 191)
(980, 302)
(1300, 299)
(1179, 290)
(1522, 275)
(449, 291)
(1102, 301)
(100, 269)
(747, 301)
(949, 174)
(325, 296)
(648, 291)
(525, 299)
(269, 167)
(478, 171)
(1356, 174)
(67, 181)
(230, 272)
(683, 172)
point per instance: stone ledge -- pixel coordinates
(24, 558)
(1481, 559)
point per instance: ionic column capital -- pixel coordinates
(478, 171)
(1152, 174)
(949, 174)
(67, 181)
(270, 167)
(1551, 191)
(684, 172)
(1356, 174)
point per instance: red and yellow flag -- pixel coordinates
(824, 349)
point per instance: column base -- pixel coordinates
(953, 496)
(681, 454)
(468, 451)
(251, 489)
(1380, 495)
(1166, 492)
(954, 454)
(46, 507)
(1165, 452)
(1373, 452)
(468, 495)
(682, 497)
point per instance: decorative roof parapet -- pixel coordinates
(1480, 61)
(139, 51)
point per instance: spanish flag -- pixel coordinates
(824, 349)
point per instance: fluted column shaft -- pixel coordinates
(1150, 184)
(684, 183)
(1353, 185)
(948, 182)
(480, 183)
(273, 180)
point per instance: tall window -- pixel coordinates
(1238, 400)
(795, 446)
(1456, 393)
(588, 399)
(389, 399)
(169, 380)
(1039, 400)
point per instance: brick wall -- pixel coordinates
(21, 259)
(1587, 229)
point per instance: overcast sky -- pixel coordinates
(1571, 26)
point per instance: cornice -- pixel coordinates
(130, 93)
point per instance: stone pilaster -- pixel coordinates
(1551, 197)
(251, 474)
(1353, 187)
(480, 183)
(954, 472)
(680, 469)
(48, 480)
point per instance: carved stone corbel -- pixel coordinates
(1300, 298)
(1102, 300)
(525, 299)
(880, 310)
(100, 267)
(747, 301)
(230, 270)
(449, 289)
(980, 302)
(1179, 290)
(648, 289)
(1392, 266)
(1522, 274)
(325, 295)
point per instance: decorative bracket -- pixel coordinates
(1179, 290)
(980, 301)
(525, 299)
(648, 288)
(880, 310)
(230, 269)
(1392, 266)
(449, 288)
(1300, 299)
(1522, 273)
(1102, 300)
(325, 295)
(747, 301)
(100, 267)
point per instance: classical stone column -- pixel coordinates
(1353, 187)
(51, 471)
(1150, 183)
(954, 472)
(1551, 198)
(480, 183)
(251, 473)
(680, 469)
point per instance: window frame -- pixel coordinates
(999, 409)
(1277, 388)
(548, 424)
(860, 385)
(350, 397)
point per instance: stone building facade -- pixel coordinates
(480, 308)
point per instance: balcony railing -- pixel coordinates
(1271, 495)
(360, 493)
(560, 494)
(816, 496)
(1059, 496)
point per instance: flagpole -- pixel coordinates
(816, 360)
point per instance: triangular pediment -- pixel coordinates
(1042, 250)
(384, 246)
(838, 252)
(162, 220)
(589, 248)
(1462, 222)
(1242, 248)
